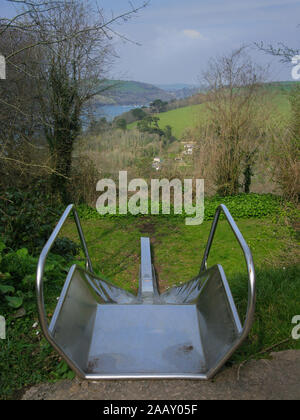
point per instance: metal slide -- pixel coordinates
(104, 332)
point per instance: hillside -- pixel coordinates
(180, 119)
(120, 92)
(189, 117)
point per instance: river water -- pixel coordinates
(112, 111)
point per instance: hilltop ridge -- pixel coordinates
(125, 92)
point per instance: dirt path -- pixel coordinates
(278, 378)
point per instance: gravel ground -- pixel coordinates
(275, 379)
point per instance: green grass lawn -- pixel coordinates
(177, 249)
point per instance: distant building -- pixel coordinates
(156, 164)
(188, 148)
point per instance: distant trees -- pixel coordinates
(99, 126)
(138, 114)
(158, 106)
(121, 124)
(150, 124)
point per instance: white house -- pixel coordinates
(188, 148)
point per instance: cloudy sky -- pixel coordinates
(178, 37)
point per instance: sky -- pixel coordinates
(178, 37)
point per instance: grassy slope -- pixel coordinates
(180, 119)
(189, 117)
(177, 249)
(183, 118)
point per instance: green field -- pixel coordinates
(189, 117)
(180, 119)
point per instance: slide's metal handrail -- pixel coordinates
(249, 262)
(43, 257)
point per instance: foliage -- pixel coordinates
(18, 272)
(138, 113)
(244, 206)
(98, 126)
(85, 176)
(66, 248)
(25, 357)
(121, 123)
(286, 153)
(6, 289)
(149, 124)
(63, 371)
(158, 106)
(241, 206)
(28, 217)
(235, 84)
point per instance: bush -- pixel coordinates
(286, 165)
(25, 357)
(28, 217)
(18, 274)
(66, 248)
(244, 206)
(84, 177)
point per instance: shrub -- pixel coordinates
(28, 217)
(244, 206)
(18, 273)
(84, 177)
(286, 165)
(25, 357)
(241, 206)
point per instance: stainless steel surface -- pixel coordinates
(249, 263)
(146, 284)
(104, 332)
(148, 291)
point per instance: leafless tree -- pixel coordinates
(234, 83)
(284, 52)
(68, 43)
(286, 146)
